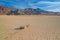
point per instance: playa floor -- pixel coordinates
(40, 27)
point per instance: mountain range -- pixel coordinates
(27, 11)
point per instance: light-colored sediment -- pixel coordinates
(40, 27)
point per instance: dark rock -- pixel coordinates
(20, 28)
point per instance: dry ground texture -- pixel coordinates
(41, 27)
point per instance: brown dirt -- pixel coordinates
(41, 27)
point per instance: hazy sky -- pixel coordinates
(50, 5)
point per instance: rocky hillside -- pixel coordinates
(28, 11)
(5, 10)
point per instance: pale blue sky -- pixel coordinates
(50, 5)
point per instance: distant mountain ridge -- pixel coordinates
(27, 11)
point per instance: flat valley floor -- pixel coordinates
(40, 27)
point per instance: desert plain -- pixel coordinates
(41, 27)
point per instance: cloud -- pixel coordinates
(45, 2)
(54, 10)
(48, 2)
(47, 5)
